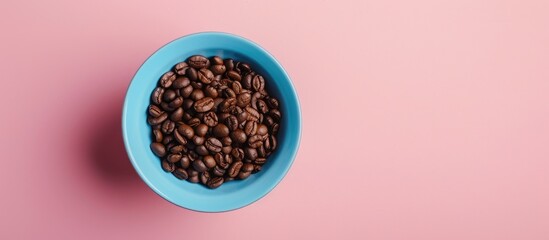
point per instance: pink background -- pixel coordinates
(440, 129)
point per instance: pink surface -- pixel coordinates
(440, 130)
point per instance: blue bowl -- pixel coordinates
(137, 133)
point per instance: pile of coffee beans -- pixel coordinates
(213, 120)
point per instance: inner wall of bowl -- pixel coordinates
(233, 194)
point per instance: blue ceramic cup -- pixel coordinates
(137, 133)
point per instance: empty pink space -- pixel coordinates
(422, 119)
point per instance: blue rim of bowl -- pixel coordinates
(273, 184)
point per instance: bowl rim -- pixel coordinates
(275, 181)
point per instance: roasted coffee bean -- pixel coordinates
(177, 148)
(168, 127)
(177, 115)
(247, 167)
(260, 161)
(217, 102)
(186, 91)
(197, 94)
(272, 102)
(193, 122)
(213, 144)
(258, 83)
(174, 158)
(252, 113)
(257, 168)
(185, 161)
(180, 68)
(220, 130)
(177, 102)
(250, 153)
(157, 94)
(209, 161)
(229, 64)
(205, 76)
(270, 143)
(188, 104)
(234, 169)
(181, 82)
(201, 150)
(261, 151)
(238, 154)
(262, 129)
(218, 171)
(243, 175)
(223, 160)
(227, 141)
(227, 105)
(167, 139)
(255, 141)
(158, 149)
(192, 74)
(167, 79)
(232, 122)
(204, 177)
(229, 93)
(247, 81)
(238, 136)
(233, 75)
(211, 92)
(255, 96)
(215, 182)
(218, 69)
(155, 111)
(201, 130)
(197, 140)
(274, 128)
(250, 128)
(237, 87)
(169, 95)
(199, 166)
(243, 67)
(157, 120)
(243, 99)
(157, 134)
(275, 114)
(181, 173)
(204, 104)
(216, 60)
(198, 61)
(193, 175)
(166, 106)
(192, 156)
(210, 119)
(186, 131)
(243, 117)
(267, 120)
(262, 106)
(168, 166)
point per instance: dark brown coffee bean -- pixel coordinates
(210, 119)
(167, 139)
(181, 173)
(250, 153)
(218, 171)
(218, 69)
(209, 161)
(275, 114)
(157, 134)
(198, 61)
(229, 93)
(262, 106)
(223, 160)
(232, 122)
(177, 102)
(211, 92)
(192, 74)
(257, 168)
(188, 104)
(242, 117)
(252, 114)
(247, 167)
(250, 128)
(168, 166)
(270, 143)
(255, 141)
(261, 151)
(205, 76)
(177, 148)
(243, 99)
(177, 115)
(156, 96)
(255, 96)
(236, 87)
(238, 136)
(201, 130)
(197, 140)
(215, 182)
(213, 144)
(186, 91)
(234, 169)
(260, 161)
(201, 150)
(157, 120)
(244, 175)
(158, 149)
(204, 177)
(197, 84)
(193, 122)
(227, 141)
(199, 166)
(168, 127)
(268, 120)
(174, 158)
(229, 64)
(238, 154)
(243, 67)
(166, 106)
(186, 131)
(155, 111)
(262, 130)
(233, 75)
(197, 94)
(216, 60)
(274, 128)
(258, 83)
(220, 130)
(167, 79)
(185, 161)
(227, 105)
(169, 95)
(181, 82)
(181, 67)
(204, 104)
(272, 102)
(193, 175)
(247, 81)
